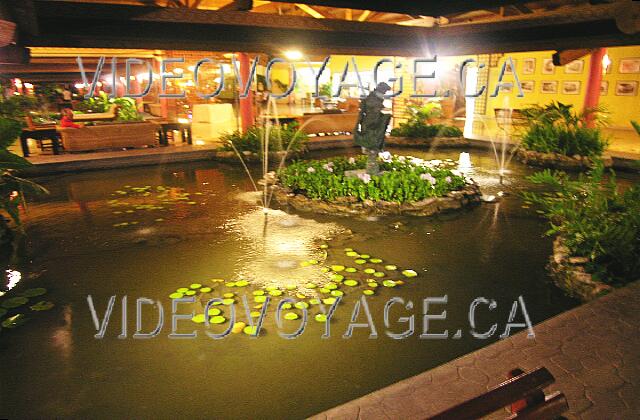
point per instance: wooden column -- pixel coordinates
(246, 104)
(592, 93)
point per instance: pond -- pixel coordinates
(136, 232)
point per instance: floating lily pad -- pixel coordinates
(314, 301)
(365, 256)
(14, 302)
(38, 291)
(195, 286)
(301, 296)
(250, 330)
(324, 246)
(258, 306)
(198, 319)
(275, 293)
(291, 316)
(176, 295)
(287, 306)
(290, 287)
(218, 319)
(375, 260)
(350, 270)
(320, 317)
(352, 254)
(182, 290)
(14, 321)
(255, 314)
(301, 305)
(399, 282)
(337, 293)
(228, 302)
(378, 274)
(324, 290)
(205, 290)
(242, 283)
(350, 283)
(409, 273)
(230, 284)
(214, 311)
(331, 286)
(337, 277)
(190, 292)
(360, 261)
(313, 262)
(337, 268)
(389, 283)
(390, 267)
(238, 327)
(228, 295)
(310, 285)
(369, 270)
(372, 284)
(348, 249)
(304, 264)
(368, 292)
(272, 287)
(42, 306)
(329, 301)
(325, 269)
(258, 292)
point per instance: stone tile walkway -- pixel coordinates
(593, 351)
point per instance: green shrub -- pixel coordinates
(596, 220)
(419, 123)
(286, 137)
(404, 179)
(556, 128)
(127, 108)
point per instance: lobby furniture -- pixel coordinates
(210, 121)
(110, 115)
(109, 136)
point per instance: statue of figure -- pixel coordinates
(371, 126)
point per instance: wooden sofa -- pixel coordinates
(108, 136)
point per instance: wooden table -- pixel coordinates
(40, 134)
(183, 128)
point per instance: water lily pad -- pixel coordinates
(399, 282)
(230, 284)
(272, 287)
(350, 270)
(337, 268)
(375, 260)
(320, 317)
(369, 270)
(305, 264)
(38, 291)
(242, 283)
(324, 290)
(324, 246)
(228, 302)
(360, 261)
(331, 286)
(176, 295)
(350, 282)
(214, 311)
(291, 316)
(372, 284)
(195, 286)
(301, 296)
(190, 292)
(250, 330)
(290, 287)
(14, 321)
(275, 292)
(313, 262)
(329, 301)
(390, 267)
(238, 327)
(348, 249)
(258, 292)
(260, 299)
(14, 302)
(368, 292)
(301, 305)
(389, 283)
(325, 269)
(337, 277)
(378, 274)
(337, 293)
(314, 301)
(218, 319)
(310, 285)
(42, 306)
(365, 256)
(287, 306)
(182, 290)
(352, 254)
(409, 273)
(255, 314)
(228, 295)
(198, 319)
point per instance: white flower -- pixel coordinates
(328, 166)
(352, 160)
(401, 158)
(385, 156)
(428, 177)
(311, 169)
(365, 177)
(456, 172)
(448, 180)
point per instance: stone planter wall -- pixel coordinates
(445, 142)
(558, 161)
(345, 206)
(569, 274)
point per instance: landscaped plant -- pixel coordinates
(595, 219)
(419, 124)
(557, 128)
(127, 109)
(636, 126)
(286, 137)
(404, 179)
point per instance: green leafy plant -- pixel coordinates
(419, 124)
(286, 137)
(404, 179)
(557, 128)
(636, 126)
(127, 108)
(595, 219)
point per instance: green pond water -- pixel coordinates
(87, 238)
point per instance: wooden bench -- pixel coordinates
(523, 393)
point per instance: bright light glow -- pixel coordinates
(17, 82)
(178, 70)
(293, 55)
(191, 68)
(79, 85)
(183, 120)
(28, 85)
(464, 161)
(471, 85)
(606, 62)
(14, 277)
(199, 143)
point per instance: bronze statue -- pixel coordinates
(372, 125)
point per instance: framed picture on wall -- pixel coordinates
(529, 66)
(549, 86)
(571, 87)
(574, 67)
(626, 88)
(527, 86)
(547, 66)
(629, 65)
(604, 88)
(508, 69)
